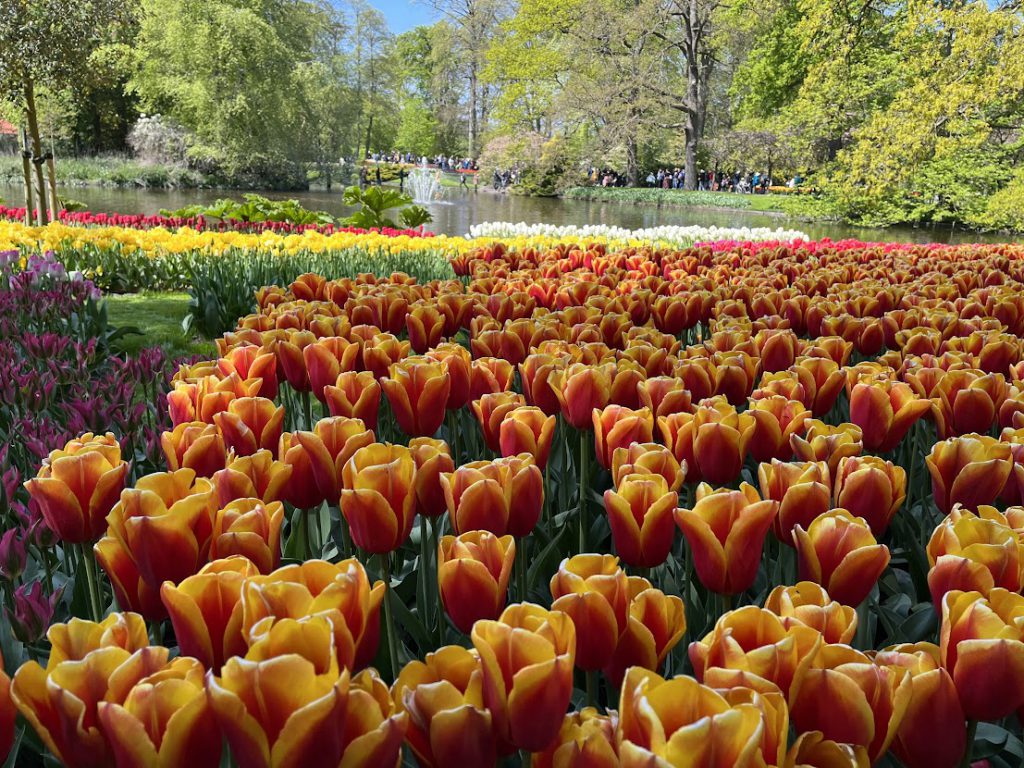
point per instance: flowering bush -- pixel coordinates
(668, 235)
(438, 520)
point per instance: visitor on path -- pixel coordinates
(363, 180)
(377, 176)
(401, 179)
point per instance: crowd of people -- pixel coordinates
(744, 182)
(443, 162)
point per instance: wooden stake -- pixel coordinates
(26, 167)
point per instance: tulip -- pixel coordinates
(250, 361)
(753, 647)
(355, 395)
(490, 374)
(580, 389)
(527, 429)
(665, 395)
(885, 412)
(417, 390)
(340, 592)
(472, 576)
(974, 552)
(76, 487)
(812, 750)
(76, 639)
(967, 401)
(448, 722)
(8, 713)
(195, 446)
(165, 720)
(970, 470)
(640, 515)
(679, 722)
(501, 496)
(537, 372)
(491, 410)
(13, 554)
(776, 419)
(457, 362)
(164, 524)
(725, 531)
(850, 700)
(619, 427)
(735, 374)
(61, 701)
(585, 740)
(32, 612)
(258, 476)
(720, 440)
(647, 458)
(432, 458)
(426, 327)
(317, 458)
(593, 591)
(378, 498)
(249, 528)
(206, 611)
(131, 591)
(824, 442)
(808, 604)
(381, 352)
(656, 624)
(932, 732)
(290, 359)
(250, 424)
(982, 648)
(803, 490)
(326, 359)
(839, 552)
(526, 657)
(869, 487)
(827, 379)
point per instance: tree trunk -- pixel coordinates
(369, 131)
(473, 88)
(54, 200)
(37, 147)
(26, 167)
(632, 161)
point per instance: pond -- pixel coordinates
(463, 208)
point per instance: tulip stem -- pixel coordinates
(521, 566)
(44, 554)
(389, 618)
(972, 730)
(302, 535)
(527, 758)
(584, 460)
(435, 596)
(591, 675)
(89, 566)
(307, 410)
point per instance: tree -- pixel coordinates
(48, 43)
(417, 131)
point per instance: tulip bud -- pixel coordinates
(33, 612)
(378, 498)
(585, 740)
(473, 571)
(839, 552)
(13, 554)
(969, 470)
(355, 395)
(417, 389)
(432, 458)
(594, 592)
(537, 372)
(869, 487)
(618, 427)
(725, 531)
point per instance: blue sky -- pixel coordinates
(404, 14)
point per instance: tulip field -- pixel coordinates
(550, 502)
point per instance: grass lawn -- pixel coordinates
(158, 316)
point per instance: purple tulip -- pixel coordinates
(33, 612)
(13, 554)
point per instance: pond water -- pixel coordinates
(463, 208)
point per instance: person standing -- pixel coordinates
(376, 175)
(401, 178)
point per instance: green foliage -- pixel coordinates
(417, 131)
(374, 202)
(254, 208)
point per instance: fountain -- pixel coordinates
(425, 184)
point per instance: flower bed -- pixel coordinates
(671, 236)
(675, 501)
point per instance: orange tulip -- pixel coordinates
(982, 648)
(803, 490)
(753, 647)
(777, 348)
(885, 411)
(827, 379)
(206, 611)
(974, 552)
(839, 552)
(812, 750)
(824, 442)
(164, 524)
(970, 470)
(807, 603)
(250, 424)
(491, 410)
(417, 390)
(527, 429)
(869, 487)
(250, 361)
(776, 419)
(967, 401)
(426, 327)
(340, 592)
(472, 576)
(326, 359)
(619, 427)
(594, 592)
(381, 352)
(537, 372)
(196, 446)
(164, 720)
(647, 458)
(378, 498)
(317, 458)
(725, 531)
(355, 395)
(656, 624)
(490, 374)
(432, 458)
(258, 476)
(131, 591)
(850, 700)
(457, 362)
(250, 528)
(501, 496)
(679, 722)
(580, 389)
(448, 722)
(527, 658)
(720, 440)
(665, 395)
(77, 486)
(640, 515)
(932, 733)
(61, 701)
(585, 740)
(8, 713)
(290, 359)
